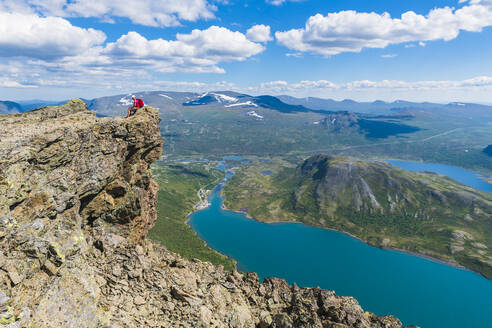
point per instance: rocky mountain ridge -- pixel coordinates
(77, 199)
(377, 187)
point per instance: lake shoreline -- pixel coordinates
(421, 255)
(203, 204)
(400, 250)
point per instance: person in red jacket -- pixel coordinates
(137, 103)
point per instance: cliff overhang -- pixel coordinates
(69, 182)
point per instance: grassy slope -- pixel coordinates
(178, 188)
(271, 198)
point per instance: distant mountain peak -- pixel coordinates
(9, 107)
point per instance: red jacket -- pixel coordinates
(138, 103)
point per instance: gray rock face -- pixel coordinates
(76, 202)
(340, 120)
(68, 182)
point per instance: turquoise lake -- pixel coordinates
(416, 290)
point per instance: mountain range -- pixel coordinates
(286, 104)
(258, 108)
(9, 107)
(382, 107)
(228, 122)
(112, 105)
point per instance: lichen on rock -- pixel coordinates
(67, 180)
(77, 199)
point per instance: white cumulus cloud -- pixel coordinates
(44, 37)
(275, 2)
(351, 31)
(142, 12)
(280, 2)
(4, 83)
(259, 33)
(198, 51)
(71, 57)
(221, 43)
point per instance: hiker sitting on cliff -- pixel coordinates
(137, 103)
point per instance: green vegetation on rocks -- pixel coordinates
(383, 205)
(181, 187)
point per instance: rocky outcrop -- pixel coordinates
(340, 120)
(68, 180)
(76, 202)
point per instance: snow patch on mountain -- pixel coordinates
(221, 98)
(226, 100)
(166, 96)
(254, 114)
(247, 103)
(125, 102)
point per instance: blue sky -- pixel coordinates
(363, 50)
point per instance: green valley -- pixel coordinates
(181, 186)
(210, 131)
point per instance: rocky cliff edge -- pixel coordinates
(76, 202)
